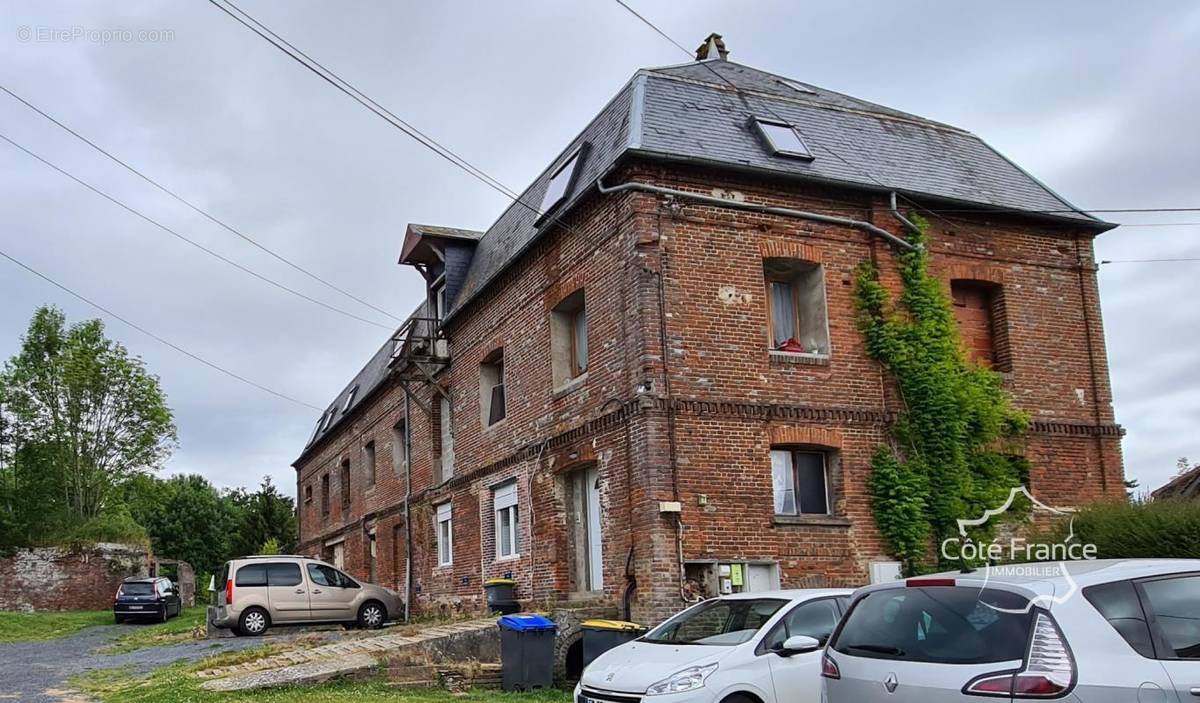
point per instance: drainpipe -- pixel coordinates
(765, 209)
(408, 580)
(896, 213)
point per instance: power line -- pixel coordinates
(327, 75)
(196, 208)
(155, 337)
(192, 242)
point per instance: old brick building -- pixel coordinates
(645, 379)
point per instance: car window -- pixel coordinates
(1175, 604)
(139, 588)
(1118, 603)
(724, 622)
(324, 575)
(251, 575)
(284, 574)
(815, 619)
(948, 625)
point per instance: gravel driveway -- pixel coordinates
(37, 672)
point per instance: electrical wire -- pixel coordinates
(212, 218)
(192, 242)
(1147, 261)
(155, 337)
(327, 75)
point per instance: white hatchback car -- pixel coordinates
(1125, 631)
(744, 648)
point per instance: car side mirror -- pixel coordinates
(798, 644)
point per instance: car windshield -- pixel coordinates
(137, 589)
(721, 622)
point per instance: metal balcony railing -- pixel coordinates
(419, 340)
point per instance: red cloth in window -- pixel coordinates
(791, 345)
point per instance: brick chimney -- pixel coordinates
(713, 47)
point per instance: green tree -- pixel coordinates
(262, 516)
(82, 414)
(186, 518)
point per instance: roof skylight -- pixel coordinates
(798, 86)
(783, 139)
(350, 398)
(560, 182)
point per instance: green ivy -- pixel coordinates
(947, 458)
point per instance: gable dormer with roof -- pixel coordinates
(653, 352)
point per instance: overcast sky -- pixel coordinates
(1098, 99)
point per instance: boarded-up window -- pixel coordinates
(982, 324)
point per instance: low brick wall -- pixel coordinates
(54, 578)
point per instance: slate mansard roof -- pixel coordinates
(686, 113)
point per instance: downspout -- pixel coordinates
(896, 213)
(765, 209)
(408, 580)
(1087, 331)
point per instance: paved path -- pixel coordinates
(37, 672)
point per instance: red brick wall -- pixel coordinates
(54, 579)
(699, 268)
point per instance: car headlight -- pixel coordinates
(687, 680)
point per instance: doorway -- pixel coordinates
(583, 522)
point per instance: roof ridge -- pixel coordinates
(904, 117)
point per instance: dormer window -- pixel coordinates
(437, 297)
(783, 139)
(349, 399)
(561, 182)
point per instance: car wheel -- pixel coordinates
(163, 617)
(372, 615)
(254, 622)
(738, 698)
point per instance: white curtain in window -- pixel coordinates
(783, 312)
(783, 481)
(508, 533)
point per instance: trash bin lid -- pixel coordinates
(500, 582)
(622, 625)
(527, 622)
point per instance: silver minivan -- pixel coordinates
(1120, 631)
(254, 593)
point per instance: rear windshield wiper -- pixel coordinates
(877, 649)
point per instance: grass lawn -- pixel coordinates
(173, 684)
(177, 629)
(25, 627)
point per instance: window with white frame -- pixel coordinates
(444, 525)
(508, 529)
(800, 478)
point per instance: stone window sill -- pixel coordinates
(570, 386)
(507, 559)
(812, 520)
(799, 358)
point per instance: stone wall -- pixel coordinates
(56, 579)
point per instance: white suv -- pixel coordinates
(1090, 631)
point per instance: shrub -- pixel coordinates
(1163, 529)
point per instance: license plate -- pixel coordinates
(135, 607)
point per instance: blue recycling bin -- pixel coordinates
(526, 652)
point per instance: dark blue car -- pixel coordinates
(148, 598)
